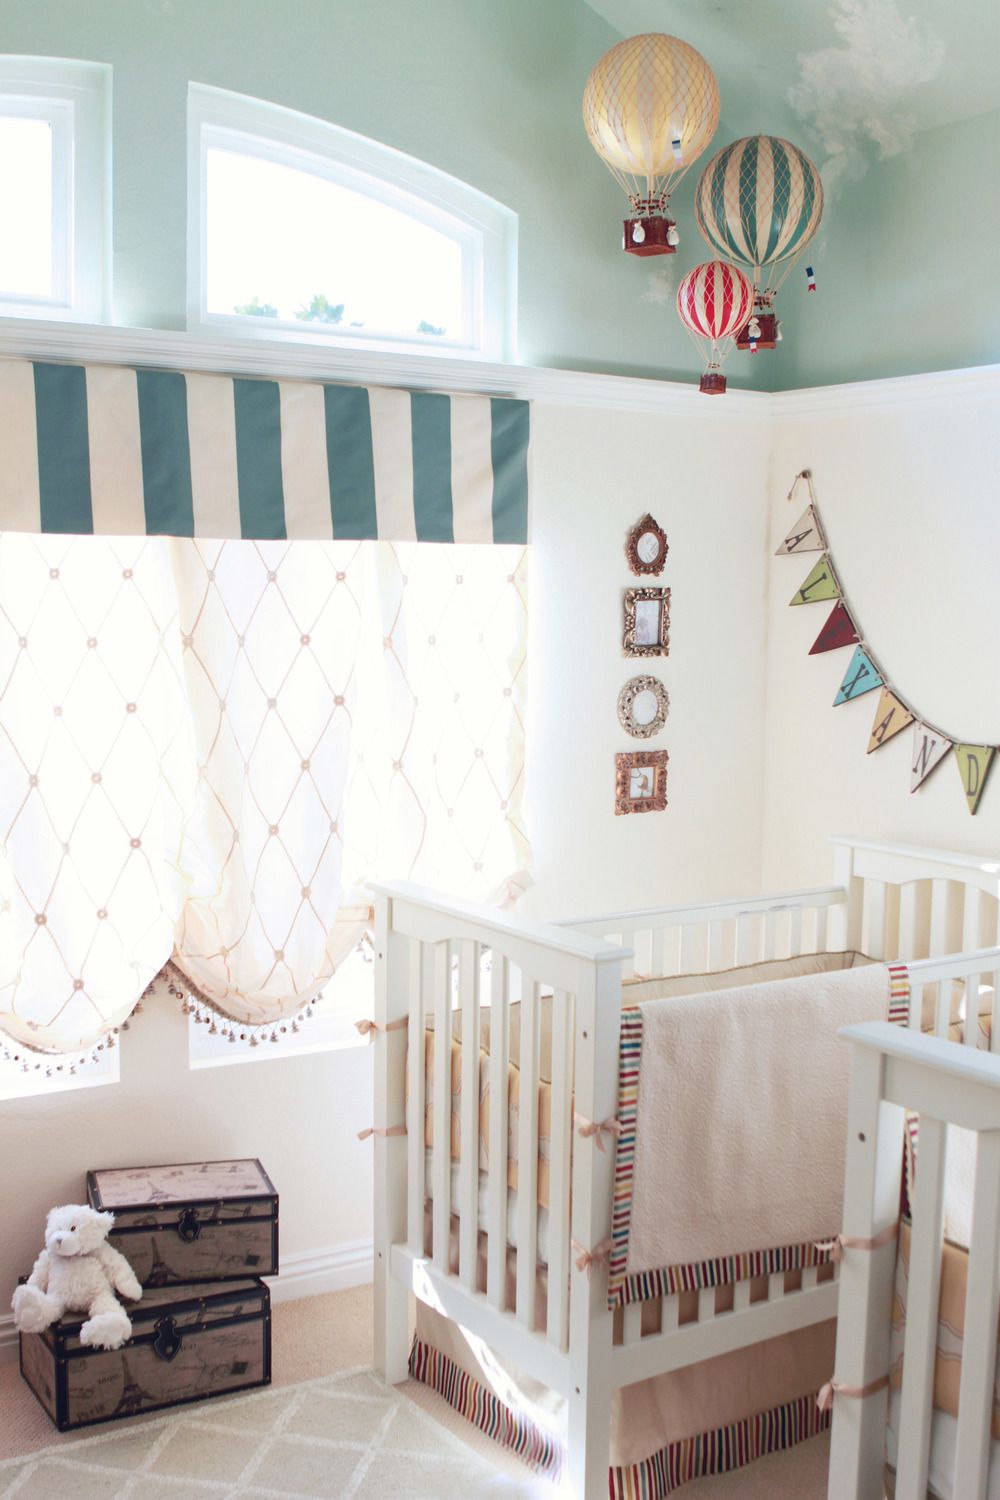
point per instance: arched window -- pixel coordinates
(300, 228)
(54, 187)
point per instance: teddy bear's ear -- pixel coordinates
(106, 1221)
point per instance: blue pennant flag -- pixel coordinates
(860, 677)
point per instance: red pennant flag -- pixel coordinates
(838, 631)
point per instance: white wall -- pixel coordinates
(595, 472)
(907, 475)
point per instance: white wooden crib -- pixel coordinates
(946, 1083)
(887, 900)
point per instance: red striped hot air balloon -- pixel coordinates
(714, 302)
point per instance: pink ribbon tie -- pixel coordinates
(834, 1388)
(586, 1260)
(842, 1242)
(368, 1028)
(382, 1133)
(598, 1129)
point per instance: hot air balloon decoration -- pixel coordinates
(650, 108)
(758, 203)
(714, 302)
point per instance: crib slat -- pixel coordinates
(706, 1304)
(979, 1347)
(741, 1296)
(561, 1142)
(822, 924)
(920, 1344)
(908, 920)
(770, 935)
(776, 1286)
(942, 1008)
(795, 932)
(809, 1277)
(420, 965)
(527, 1156)
(496, 1211)
(939, 919)
(658, 951)
(469, 959)
(670, 1313)
(441, 1161)
(995, 1021)
(875, 913)
(631, 1322)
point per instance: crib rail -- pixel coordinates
(947, 1085)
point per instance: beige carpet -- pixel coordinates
(393, 1452)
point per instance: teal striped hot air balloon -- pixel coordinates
(758, 203)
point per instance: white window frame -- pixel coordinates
(75, 97)
(34, 1074)
(486, 230)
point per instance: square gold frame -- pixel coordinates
(627, 761)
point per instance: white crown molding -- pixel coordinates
(288, 359)
(304, 1273)
(937, 387)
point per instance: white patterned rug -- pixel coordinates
(342, 1437)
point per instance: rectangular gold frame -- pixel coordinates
(629, 644)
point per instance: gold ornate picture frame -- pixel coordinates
(646, 622)
(643, 705)
(640, 781)
(646, 546)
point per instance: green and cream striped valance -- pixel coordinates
(116, 451)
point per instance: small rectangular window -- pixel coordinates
(54, 185)
(33, 1073)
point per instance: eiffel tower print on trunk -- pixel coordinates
(930, 746)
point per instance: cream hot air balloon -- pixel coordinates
(759, 202)
(714, 301)
(650, 107)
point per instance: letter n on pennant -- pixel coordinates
(821, 584)
(838, 631)
(890, 717)
(860, 677)
(929, 750)
(974, 762)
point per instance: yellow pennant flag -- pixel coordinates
(821, 584)
(890, 717)
(974, 762)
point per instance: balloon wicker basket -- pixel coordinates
(712, 383)
(648, 236)
(768, 336)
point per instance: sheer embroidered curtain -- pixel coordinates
(207, 747)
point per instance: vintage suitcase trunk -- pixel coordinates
(188, 1343)
(197, 1221)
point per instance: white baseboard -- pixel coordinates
(304, 1273)
(307, 1273)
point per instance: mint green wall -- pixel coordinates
(906, 262)
(488, 90)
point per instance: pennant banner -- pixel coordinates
(838, 631)
(861, 677)
(805, 536)
(929, 750)
(864, 675)
(890, 717)
(821, 584)
(974, 762)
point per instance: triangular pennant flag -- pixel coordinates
(838, 631)
(890, 717)
(929, 750)
(805, 536)
(821, 584)
(974, 763)
(861, 677)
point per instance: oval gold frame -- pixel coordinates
(626, 699)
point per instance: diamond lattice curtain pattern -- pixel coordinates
(207, 747)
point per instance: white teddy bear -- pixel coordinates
(78, 1271)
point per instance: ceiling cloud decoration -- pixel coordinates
(853, 95)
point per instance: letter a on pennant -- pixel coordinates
(805, 536)
(974, 763)
(860, 677)
(929, 750)
(838, 631)
(890, 717)
(821, 584)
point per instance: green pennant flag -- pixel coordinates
(821, 584)
(974, 762)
